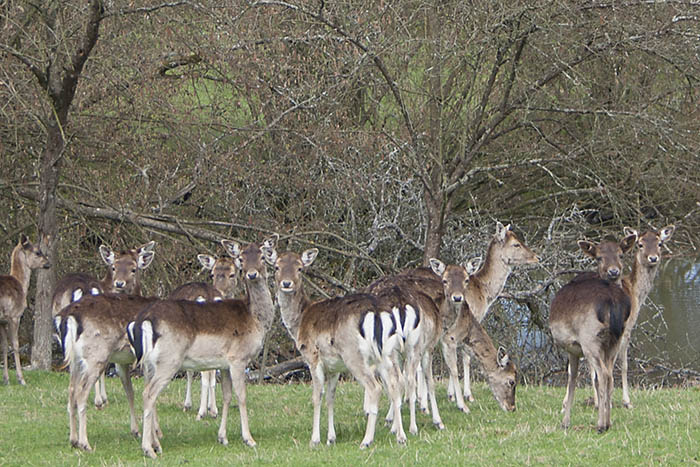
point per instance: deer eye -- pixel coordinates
(133, 271)
(516, 245)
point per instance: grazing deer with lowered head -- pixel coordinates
(588, 317)
(637, 285)
(501, 373)
(504, 252)
(225, 335)
(224, 276)
(122, 276)
(13, 298)
(356, 332)
(92, 332)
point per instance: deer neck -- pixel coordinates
(291, 308)
(481, 345)
(260, 302)
(638, 285)
(486, 285)
(19, 269)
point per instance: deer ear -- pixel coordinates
(232, 248)
(628, 242)
(587, 247)
(270, 255)
(437, 266)
(107, 254)
(146, 247)
(629, 231)
(309, 256)
(666, 232)
(145, 259)
(501, 231)
(271, 242)
(473, 265)
(24, 241)
(207, 261)
(503, 358)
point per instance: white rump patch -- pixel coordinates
(200, 299)
(77, 295)
(95, 291)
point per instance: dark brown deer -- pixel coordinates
(122, 276)
(588, 317)
(356, 332)
(224, 276)
(224, 335)
(25, 256)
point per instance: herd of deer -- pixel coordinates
(383, 336)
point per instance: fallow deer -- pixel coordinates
(419, 325)
(13, 298)
(93, 333)
(504, 252)
(225, 335)
(224, 276)
(122, 276)
(637, 285)
(588, 317)
(356, 332)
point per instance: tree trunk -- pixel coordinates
(436, 226)
(46, 278)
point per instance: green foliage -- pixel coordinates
(661, 429)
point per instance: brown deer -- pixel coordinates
(13, 298)
(504, 252)
(588, 317)
(501, 373)
(356, 332)
(418, 323)
(637, 285)
(224, 276)
(92, 332)
(225, 335)
(122, 276)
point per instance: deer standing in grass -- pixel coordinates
(92, 332)
(122, 276)
(588, 317)
(501, 373)
(356, 332)
(224, 276)
(13, 298)
(225, 335)
(637, 285)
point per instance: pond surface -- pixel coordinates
(669, 322)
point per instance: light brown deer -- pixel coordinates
(504, 252)
(13, 298)
(224, 276)
(588, 317)
(122, 276)
(356, 332)
(637, 285)
(93, 333)
(501, 373)
(224, 335)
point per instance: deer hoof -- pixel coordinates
(150, 453)
(439, 425)
(469, 398)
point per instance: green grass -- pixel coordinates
(663, 428)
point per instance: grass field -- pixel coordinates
(663, 428)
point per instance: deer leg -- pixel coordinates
(623, 370)
(450, 382)
(159, 379)
(603, 379)
(211, 393)
(187, 405)
(412, 363)
(3, 342)
(203, 396)
(430, 382)
(373, 391)
(570, 388)
(466, 363)
(317, 382)
(100, 392)
(449, 351)
(422, 389)
(87, 375)
(238, 376)
(596, 395)
(14, 338)
(390, 373)
(72, 405)
(125, 377)
(330, 401)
